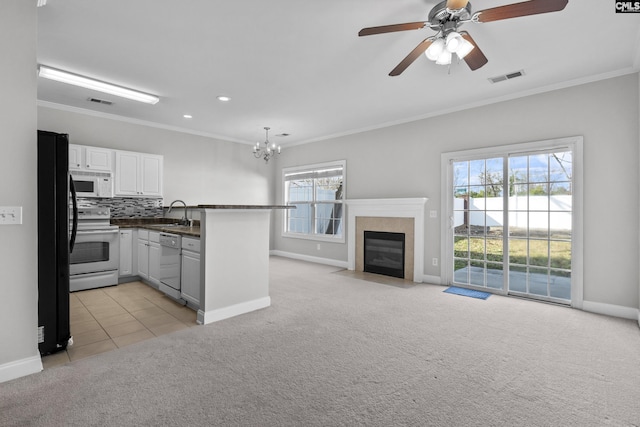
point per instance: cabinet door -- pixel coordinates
(127, 174)
(98, 159)
(154, 262)
(151, 174)
(126, 253)
(75, 156)
(143, 258)
(191, 277)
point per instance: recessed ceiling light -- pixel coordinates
(188, 116)
(224, 98)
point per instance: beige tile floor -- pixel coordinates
(108, 318)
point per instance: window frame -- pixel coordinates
(312, 235)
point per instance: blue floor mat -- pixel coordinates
(467, 292)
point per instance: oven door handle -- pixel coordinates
(98, 231)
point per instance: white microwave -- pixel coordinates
(93, 184)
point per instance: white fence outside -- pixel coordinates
(552, 212)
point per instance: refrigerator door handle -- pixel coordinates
(74, 227)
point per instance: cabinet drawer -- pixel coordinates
(154, 236)
(191, 244)
(143, 234)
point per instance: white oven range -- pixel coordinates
(94, 260)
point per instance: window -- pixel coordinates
(317, 192)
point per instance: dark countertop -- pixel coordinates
(165, 225)
(245, 207)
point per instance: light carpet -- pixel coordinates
(336, 350)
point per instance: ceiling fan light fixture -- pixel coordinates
(456, 4)
(434, 51)
(444, 58)
(453, 41)
(464, 49)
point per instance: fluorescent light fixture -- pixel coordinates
(86, 82)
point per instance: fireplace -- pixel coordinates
(391, 216)
(384, 253)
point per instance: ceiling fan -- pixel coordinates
(446, 17)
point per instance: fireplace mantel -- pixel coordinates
(391, 208)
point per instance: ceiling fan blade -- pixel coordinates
(413, 55)
(456, 4)
(474, 59)
(526, 8)
(391, 28)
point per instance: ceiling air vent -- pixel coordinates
(506, 76)
(100, 101)
(283, 134)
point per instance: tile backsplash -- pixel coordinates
(126, 207)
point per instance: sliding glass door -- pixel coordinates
(511, 220)
(478, 237)
(540, 213)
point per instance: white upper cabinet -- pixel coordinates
(98, 159)
(82, 157)
(151, 174)
(75, 156)
(138, 174)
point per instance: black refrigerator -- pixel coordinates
(55, 240)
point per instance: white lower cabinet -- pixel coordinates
(190, 275)
(143, 254)
(126, 253)
(149, 255)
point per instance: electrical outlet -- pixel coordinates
(434, 261)
(10, 215)
(318, 246)
(433, 214)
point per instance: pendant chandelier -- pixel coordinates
(268, 151)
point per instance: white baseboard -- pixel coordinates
(432, 280)
(611, 310)
(317, 260)
(206, 317)
(20, 368)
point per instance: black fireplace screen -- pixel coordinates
(384, 253)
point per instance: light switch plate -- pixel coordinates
(10, 215)
(433, 214)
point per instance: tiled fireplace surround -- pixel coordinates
(388, 215)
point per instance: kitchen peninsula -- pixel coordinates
(235, 260)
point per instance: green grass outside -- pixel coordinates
(555, 254)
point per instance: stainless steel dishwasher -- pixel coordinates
(170, 264)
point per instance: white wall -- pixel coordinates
(404, 161)
(18, 273)
(197, 169)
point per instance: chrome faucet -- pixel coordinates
(185, 220)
